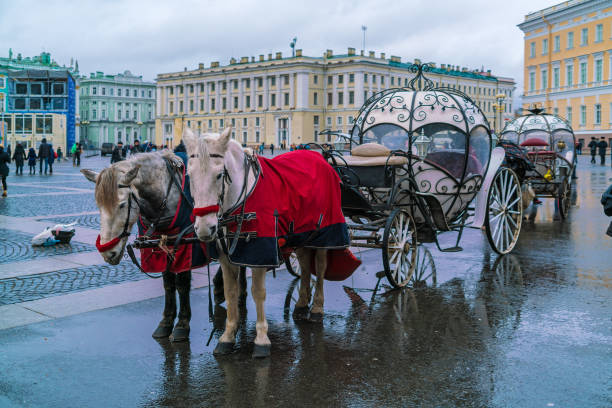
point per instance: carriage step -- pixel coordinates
(452, 249)
(436, 211)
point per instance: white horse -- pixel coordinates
(221, 178)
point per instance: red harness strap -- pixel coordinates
(109, 245)
(202, 211)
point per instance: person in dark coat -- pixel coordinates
(43, 155)
(602, 146)
(60, 154)
(137, 148)
(180, 148)
(118, 153)
(272, 148)
(32, 160)
(5, 159)
(51, 159)
(77, 154)
(593, 146)
(19, 157)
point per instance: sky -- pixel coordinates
(151, 37)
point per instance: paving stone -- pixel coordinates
(42, 205)
(15, 246)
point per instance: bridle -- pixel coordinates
(132, 197)
(250, 165)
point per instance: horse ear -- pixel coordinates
(130, 175)
(90, 175)
(225, 137)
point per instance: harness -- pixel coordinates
(250, 165)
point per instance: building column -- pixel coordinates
(359, 87)
(291, 91)
(241, 94)
(253, 96)
(266, 94)
(302, 93)
(278, 91)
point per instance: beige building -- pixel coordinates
(29, 129)
(290, 100)
(568, 64)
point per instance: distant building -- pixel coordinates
(568, 64)
(37, 100)
(116, 108)
(290, 100)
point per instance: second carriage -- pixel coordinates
(423, 165)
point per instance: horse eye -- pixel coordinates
(122, 205)
(193, 156)
(219, 176)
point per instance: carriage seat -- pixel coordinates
(371, 154)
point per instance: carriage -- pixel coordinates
(550, 145)
(424, 165)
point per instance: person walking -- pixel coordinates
(180, 148)
(60, 154)
(272, 148)
(602, 146)
(43, 155)
(51, 158)
(77, 154)
(593, 146)
(32, 160)
(19, 157)
(118, 153)
(579, 147)
(5, 159)
(137, 148)
(73, 153)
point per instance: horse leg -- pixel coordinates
(243, 284)
(300, 311)
(183, 286)
(230, 287)
(218, 287)
(316, 314)
(258, 290)
(164, 329)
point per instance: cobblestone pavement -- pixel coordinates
(32, 287)
(87, 220)
(15, 246)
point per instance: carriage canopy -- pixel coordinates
(441, 126)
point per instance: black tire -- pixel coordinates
(399, 262)
(504, 211)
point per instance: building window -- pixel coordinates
(329, 121)
(127, 114)
(555, 110)
(212, 87)
(532, 50)
(340, 98)
(94, 114)
(247, 83)
(365, 95)
(247, 102)
(235, 84)
(260, 100)
(532, 81)
(365, 77)
(598, 70)
(315, 98)
(340, 79)
(330, 98)
(212, 104)
(235, 102)
(330, 80)
(171, 107)
(35, 103)
(316, 136)
(351, 120)
(568, 114)
(544, 79)
(135, 93)
(191, 105)
(224, 103)
(545, 46)
(584, 36)
(339, 120)
(351, 78)
(119, 91)
(119, 113)
(210, 123)
(286, 79)
(570, 40)
(257, 136)
(256, 121)
(315, 120)
(190, 89)
(556, 77)
(103, 91)
(392, 81)
(245, 122)
(351, 97)
(315, 79)
(221, 123)
(94, 90)
(259, 82)
(582, 115)
(180, 106)
(111, 91)
(272, 81)
(286, 97)
(557, 45)
(201, 89)
(273, 100)
(244, 137)
(201, 104)
(570, 75)
(583, 72)
(598, 114)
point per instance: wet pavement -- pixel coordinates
(531, 329)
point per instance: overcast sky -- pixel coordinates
(151, 37)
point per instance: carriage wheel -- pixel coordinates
(563, 199)
(425, 272)
(293, 266)
(399, 248)
(504, 211)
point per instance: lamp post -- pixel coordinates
(500, 97)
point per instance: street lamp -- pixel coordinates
(500, 97)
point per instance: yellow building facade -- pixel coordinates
(29, 129)
(568, 64)
(290, 100)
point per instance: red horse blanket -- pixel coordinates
(295, 203)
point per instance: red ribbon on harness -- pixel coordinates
(202, 211)
(105, 247)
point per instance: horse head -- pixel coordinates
(214, 159)
(118, 209)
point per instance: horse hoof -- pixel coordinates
(261, 351)
(179, 334)
(162, 332)
(316, 317)
(300, 313)
(223, 349)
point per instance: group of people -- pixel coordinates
(598, 147)
(120, 152)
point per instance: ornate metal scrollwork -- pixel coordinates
(420, 82)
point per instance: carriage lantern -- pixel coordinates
(561, 145)
(422, 144)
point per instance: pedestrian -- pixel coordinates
(118, 153)
(73, 153)
(5, 159)
(19, 157)
(579, 147)
(180, 148)
(32, 160)
(137, 148)
(602, 146)
(51, 159)
(593, 146)
(60, 154)
(272, 148)
(43, 155)
(77, 154)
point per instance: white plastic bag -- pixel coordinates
(47, 237)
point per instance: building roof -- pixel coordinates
(39, 62)
(124, 78)
(561, 11)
